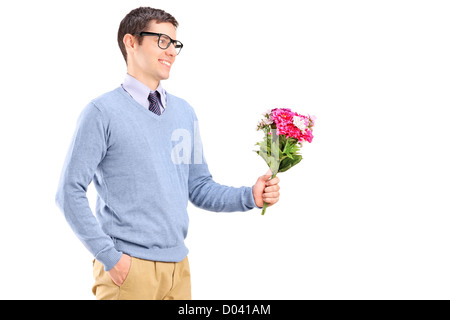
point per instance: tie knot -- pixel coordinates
(153, 96)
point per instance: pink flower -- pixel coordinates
(286, 124)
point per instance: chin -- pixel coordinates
(164, 77)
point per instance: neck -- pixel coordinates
(149, 82)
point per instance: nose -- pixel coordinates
(171, 51)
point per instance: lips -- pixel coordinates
(165, 63)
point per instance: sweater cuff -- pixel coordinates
(109, 258)
(249, 201)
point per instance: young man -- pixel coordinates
(128, 142)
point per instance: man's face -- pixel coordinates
(151, 61)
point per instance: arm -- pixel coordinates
(209, 195)
(205, 193)
(87, 150)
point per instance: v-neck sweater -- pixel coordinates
(145, 168)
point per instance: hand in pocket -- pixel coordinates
(120, 271)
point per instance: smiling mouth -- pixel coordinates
(166, 63)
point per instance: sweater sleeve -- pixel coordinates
(88, 147)
(207, 194)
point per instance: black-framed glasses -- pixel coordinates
(164, 41)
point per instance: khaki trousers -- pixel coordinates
(146, 280)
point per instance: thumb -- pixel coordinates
(267, 175)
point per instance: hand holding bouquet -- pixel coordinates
(285, 132)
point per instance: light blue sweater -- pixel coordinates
(145, 169)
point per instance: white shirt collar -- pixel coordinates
(140, 92)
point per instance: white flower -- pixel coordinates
(299, 123)
(267, 113)
(267, 121)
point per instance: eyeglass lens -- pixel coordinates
(165, 41)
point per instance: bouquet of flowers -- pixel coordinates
(285, 132)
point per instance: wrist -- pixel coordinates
(256, 198)
(109, 258)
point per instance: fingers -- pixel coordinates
(265, 178)
(271, 193)
(272, 189)
(271, 198)
(268, 190)
(272, 182)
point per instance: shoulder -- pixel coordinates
(102, 108)
(109, 99)
(182, 105)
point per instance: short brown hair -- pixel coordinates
(138, 20)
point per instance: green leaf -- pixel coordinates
(288, 163)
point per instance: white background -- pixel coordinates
(365, 215)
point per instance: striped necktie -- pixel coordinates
(154, 107)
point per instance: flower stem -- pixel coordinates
(264, 208)
(266, 204)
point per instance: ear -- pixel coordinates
(130, 42)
